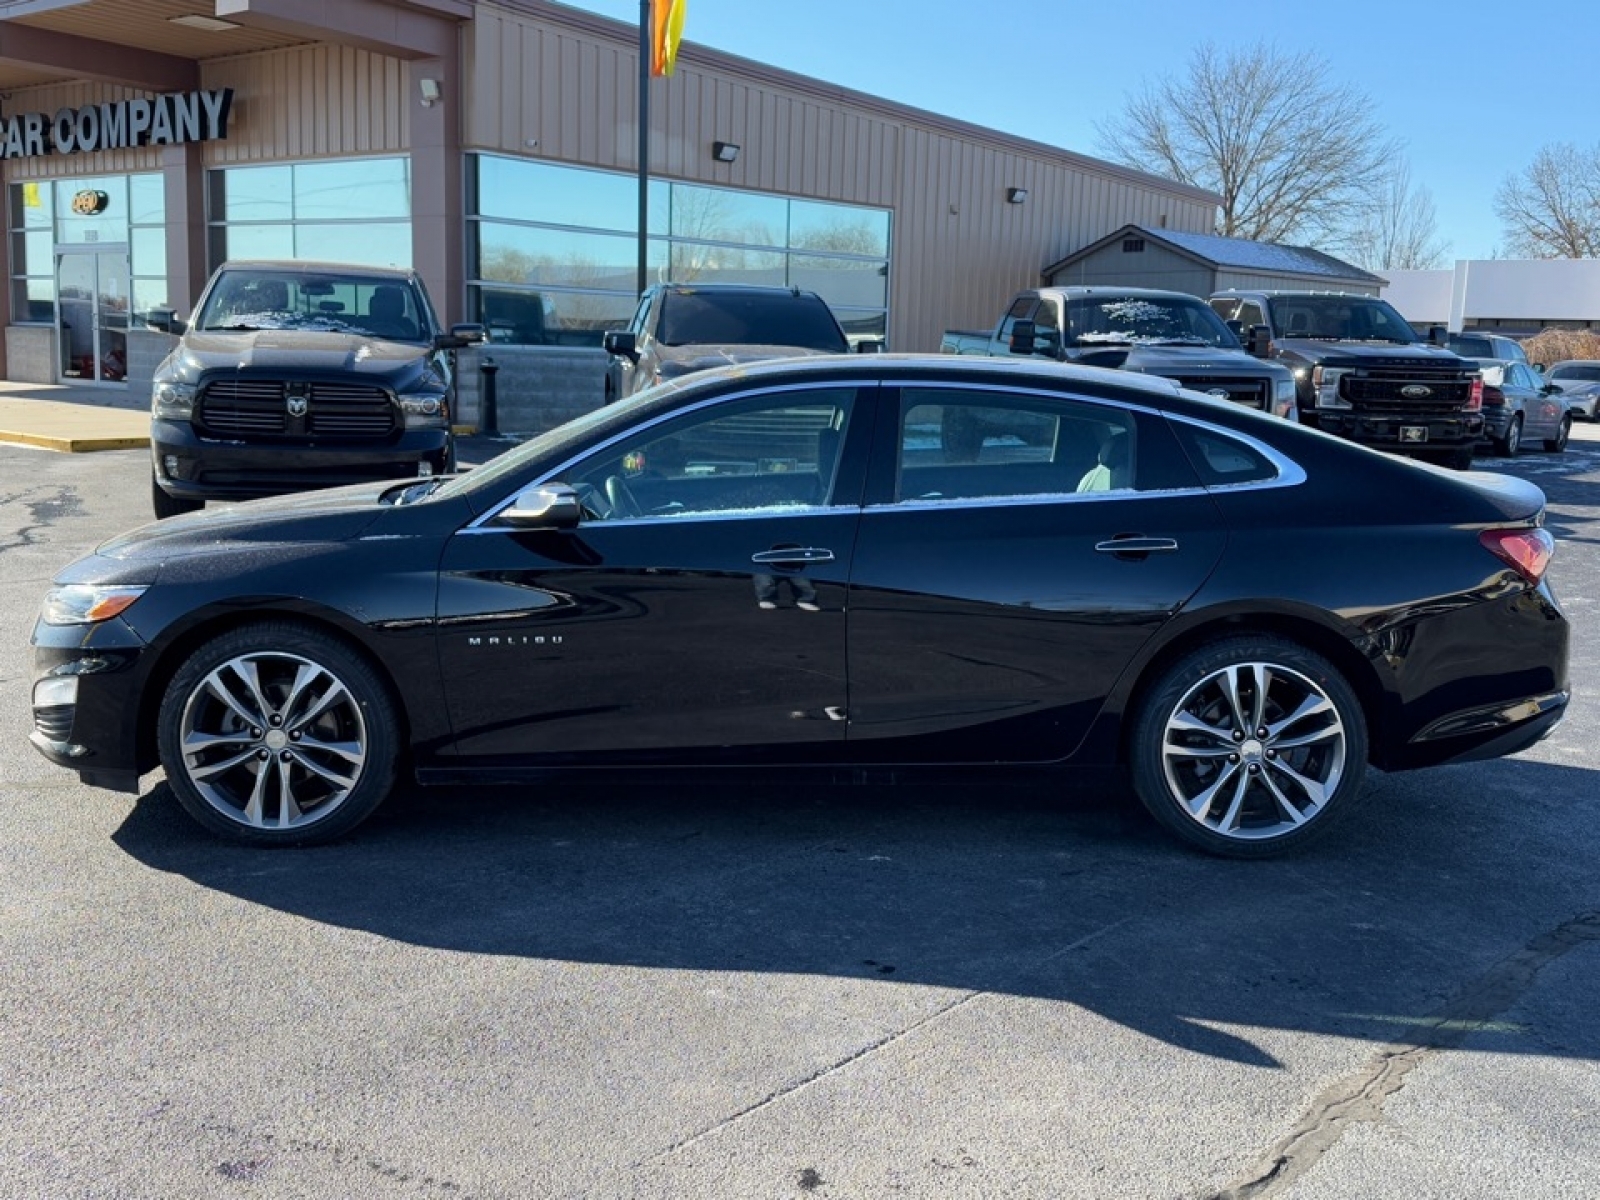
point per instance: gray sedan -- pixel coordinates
(1519, 404)
(1580, 380)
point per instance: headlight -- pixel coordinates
(425, 410)
(1282, 391)
(85, 604)
(1325, 381)
(172, 401)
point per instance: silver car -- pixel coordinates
(1519, 405)
(1579, 379)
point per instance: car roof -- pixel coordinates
(315, 268)
(765, 289)
(1102, 290)
(1274, 293)
(1576, 362)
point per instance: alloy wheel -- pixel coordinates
(1254, 751)
(273, 741)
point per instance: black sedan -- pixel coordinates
(884, 560)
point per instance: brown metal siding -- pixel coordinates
(48, 100)
(310, 102)
(570, 85)
(1248, 280)
(1153, 267)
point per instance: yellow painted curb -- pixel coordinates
(72, 445)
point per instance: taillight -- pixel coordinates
(1492, 396)
(1477, 396)
(1527, 551)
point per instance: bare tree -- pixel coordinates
(1552, 209)
(1396, 229)
(1292, 154)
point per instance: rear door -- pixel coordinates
(1017, 550)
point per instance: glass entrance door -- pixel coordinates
(92, 307)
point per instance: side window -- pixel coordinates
(1047, 325)
(1021, 309)
(756, 454)
(639, 315)
(1250, 314)
(1226, 308)
(1221, 460)
(959, 445)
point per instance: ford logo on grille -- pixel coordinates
(1415, 391)
(1220, 393)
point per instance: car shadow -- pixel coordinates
(1019, 884)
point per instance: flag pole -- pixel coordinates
(644, 140)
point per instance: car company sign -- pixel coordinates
(164, 120)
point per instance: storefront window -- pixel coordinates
(345, 210)
(552, 255)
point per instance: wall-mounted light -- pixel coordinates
(430, 92)
(724, 151)
(1016, 195)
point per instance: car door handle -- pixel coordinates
(797, 556)
(1137, 545)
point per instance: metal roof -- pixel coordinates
(1245, 255)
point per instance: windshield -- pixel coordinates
(371, 305)
(1339, 318)
(1144, 320)
(690, 318)
(1575, 373)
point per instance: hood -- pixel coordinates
(1187, 361)
(703, 357)
(298, 352)
(1386, 354)
(327, 515)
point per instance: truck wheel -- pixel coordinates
(1509, 445)
(170, 506)
(1559, 443)
(1459, 460)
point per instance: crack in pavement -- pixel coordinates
(870, 1048)
(1361, 1097)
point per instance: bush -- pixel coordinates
(1551, 346)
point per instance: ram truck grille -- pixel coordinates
(266, 408)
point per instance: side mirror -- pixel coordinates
(551, 506)
(1260, 341)
(462, 336)
(164, 320)
(1023, 338)
(622, 343)
(1438, 335)
(1539, 367)
(1236, 328)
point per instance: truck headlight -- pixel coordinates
(172, 401)
(425, 410)
(1325, 385)
(1282, 392)
(86, 604)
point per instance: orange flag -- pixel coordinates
(666, 31)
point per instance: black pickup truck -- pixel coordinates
(1361, 371)
(1170, 334)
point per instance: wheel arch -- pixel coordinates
(218, 622)
(1355, 667)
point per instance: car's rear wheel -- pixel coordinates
(277, 734)
(1559, 443)
(1249, 747)
(166, 505)
(1512, 442)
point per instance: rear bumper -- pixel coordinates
(191, 467)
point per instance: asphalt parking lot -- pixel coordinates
(760, 986)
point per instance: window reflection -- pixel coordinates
(567, 233)
(378, 187)
(378, 245)
(541, 318)
(345, 210)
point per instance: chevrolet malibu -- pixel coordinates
(890, 560)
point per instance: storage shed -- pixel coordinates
(1202, 263)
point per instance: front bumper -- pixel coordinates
(98, 734)
(195, 468)
(1386, 431)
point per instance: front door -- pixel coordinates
(92, 289)
(697, 611)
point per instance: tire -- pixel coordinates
(1508, 446)
(170, 506)
(1208, 781)
(1459, 460)
(302, 749)
(1559, 443)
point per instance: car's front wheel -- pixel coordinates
(1512, 442)
(277, 734)
(1249, 747)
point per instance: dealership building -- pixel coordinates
(494, 148)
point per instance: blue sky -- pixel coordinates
(1471, 89)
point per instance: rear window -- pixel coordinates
(749, 319)
(1576, 373)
